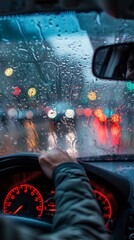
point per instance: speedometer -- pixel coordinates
(24, 200)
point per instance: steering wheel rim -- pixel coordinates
(26, 162)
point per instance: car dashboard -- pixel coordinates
(29, 193)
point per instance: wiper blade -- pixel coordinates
(107, 158)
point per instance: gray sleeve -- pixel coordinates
(78, 215)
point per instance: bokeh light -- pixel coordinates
(69, 113)
(12, 112)
(79, 111)
(102, 117)
(108, 112)
(32, 92)
(29, 114)
(116, 118)
(52, 114)
(130, 86)
(9, 72)
(92, 96)
(87, 112)
(16, 91)
(98, 112)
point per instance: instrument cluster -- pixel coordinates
(32, 195)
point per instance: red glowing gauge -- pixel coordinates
(105, 205)
(50, 206)
(24, 200)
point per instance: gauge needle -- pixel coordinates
(18, 209)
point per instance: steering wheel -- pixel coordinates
(24, 162)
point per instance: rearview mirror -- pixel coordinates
(114, 62)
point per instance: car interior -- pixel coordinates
(67, 82)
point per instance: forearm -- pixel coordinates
(78, 214)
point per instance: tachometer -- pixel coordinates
(105, 205)
(24, 200)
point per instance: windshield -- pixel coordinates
(48, 94)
